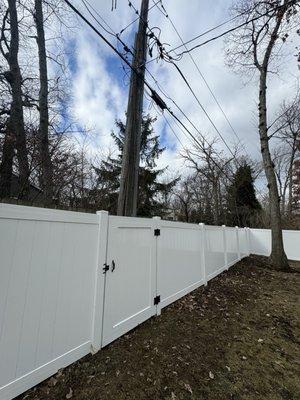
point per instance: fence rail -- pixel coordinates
(70, 283)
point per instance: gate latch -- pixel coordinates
(105, 268)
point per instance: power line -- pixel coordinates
(113, 33)
(154, 95)
(225, 32)
(202, 108)
(145, 22)
(166, 14)
(198, 101)
(173, 130)
(221, 136)
(127, 49)
(136, 19)
(206, 32)
(85, 2)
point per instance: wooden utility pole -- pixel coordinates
(127, 201)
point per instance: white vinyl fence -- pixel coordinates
(260, 243)
(71, 283)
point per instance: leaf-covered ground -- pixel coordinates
(238, 338)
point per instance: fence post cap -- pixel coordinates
(156, 217)
(223, 226)
(102, 212)
(202, 224)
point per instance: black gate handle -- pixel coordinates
(113, 266)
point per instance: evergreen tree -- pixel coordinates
(242, 204)
(152, 193)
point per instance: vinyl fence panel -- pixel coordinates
(291, 241)
(214, 251)
(231, 245)
(179, 263)
(71, 283)
(48, 261)
(243, 242)
(260, 243)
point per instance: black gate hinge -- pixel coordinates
(156, 232)
(156, 300)
(105, 268)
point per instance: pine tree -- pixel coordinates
(242, 203)
(152, 192)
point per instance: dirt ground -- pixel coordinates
(238, 338)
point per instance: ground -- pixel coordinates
(238, 338)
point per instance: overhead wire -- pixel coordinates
(248, 21)
(125, 46)
(88, 5)
(206, 32)
(197, 99)
(167, 15)
(136, 19)
(152, 90)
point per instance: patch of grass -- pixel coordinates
(237, 338)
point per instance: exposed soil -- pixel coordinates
(238, 338)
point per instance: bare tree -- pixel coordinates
(210, 163)
(15, 133)
(44, 153)
(287, 131)
(184, 202)
(254, 48)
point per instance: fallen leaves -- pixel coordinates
(52, 381)
(188, 388)
(182, 354)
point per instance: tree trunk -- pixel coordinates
(6, 166)
(278, 257)
(290, 198)
(290, 178)
(44, 153)
(16, 113)
(215, 201)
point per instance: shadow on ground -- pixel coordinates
(238, 338)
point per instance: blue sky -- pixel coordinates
(100, 87)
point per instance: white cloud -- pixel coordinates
(100, 95)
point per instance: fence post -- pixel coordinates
(238, 242)
(203, 251)
(248, 240)
(97, 322)
(156, 225)
(225, 246)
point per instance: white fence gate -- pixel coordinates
(130, 279)
(71, 283)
